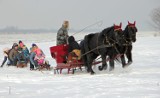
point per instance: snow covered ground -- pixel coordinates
(140, 80)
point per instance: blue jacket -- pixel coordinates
(25, 51)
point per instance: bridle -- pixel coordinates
(130, 39)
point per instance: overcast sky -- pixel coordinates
(49, 14)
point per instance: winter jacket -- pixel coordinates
(62, 36)
(24, 50)
(72, 44)
(32, 49)
(40, 57)
(12, 54)
(6, 52)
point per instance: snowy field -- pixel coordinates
(140, 80)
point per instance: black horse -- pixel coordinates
(100, 44)
(130, 36)
(125, 44)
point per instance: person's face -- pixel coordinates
(66, 25)
(21, 45)
(16, 48)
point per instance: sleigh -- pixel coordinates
(60, 54)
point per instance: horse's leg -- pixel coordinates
(90, 67)
(123, 61)
(87, 39)
(129, 55)
(104, 64)
(92, 72)
(84, 59)
(86, 66)
(111, 62)
(89, 63)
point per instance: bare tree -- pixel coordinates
(155, 16)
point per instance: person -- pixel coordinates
(62, 34)
(12, 56)
(5, 52)
(24, 52)
(33, 63)
(73, 47)
(39, 57)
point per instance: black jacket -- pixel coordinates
(72, 44)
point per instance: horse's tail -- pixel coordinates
(86, 43)
(86, 55)
(83, 57)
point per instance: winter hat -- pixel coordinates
(20, 41)
(71, 39)
(65, 22)
(14, 45)
(33, 45)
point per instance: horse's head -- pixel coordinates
(131, 31)
(113, 34)
(118, 34)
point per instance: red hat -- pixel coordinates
(117, 27)
(131, 24)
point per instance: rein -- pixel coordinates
(127, 42)
(98, 47)
(99, 23)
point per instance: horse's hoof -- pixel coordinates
(126, 65)
(88, 70)
(92, 73)
(129, 63)
(100, 68)
(111, 68)
(105, 68)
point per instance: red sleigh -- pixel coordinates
(61, 55)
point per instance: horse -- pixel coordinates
(124, 48)
(102, 44)
(130, 37)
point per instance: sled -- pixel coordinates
(21, 64)
(60, 53)
(46, 66)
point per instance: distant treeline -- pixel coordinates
(17, 30)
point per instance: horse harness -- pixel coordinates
(103, 46)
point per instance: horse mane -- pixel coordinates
(106, 31)
(126, 29)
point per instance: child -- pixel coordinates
(39, 57)
(5, 52)
(74, 47)
(24, 52)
